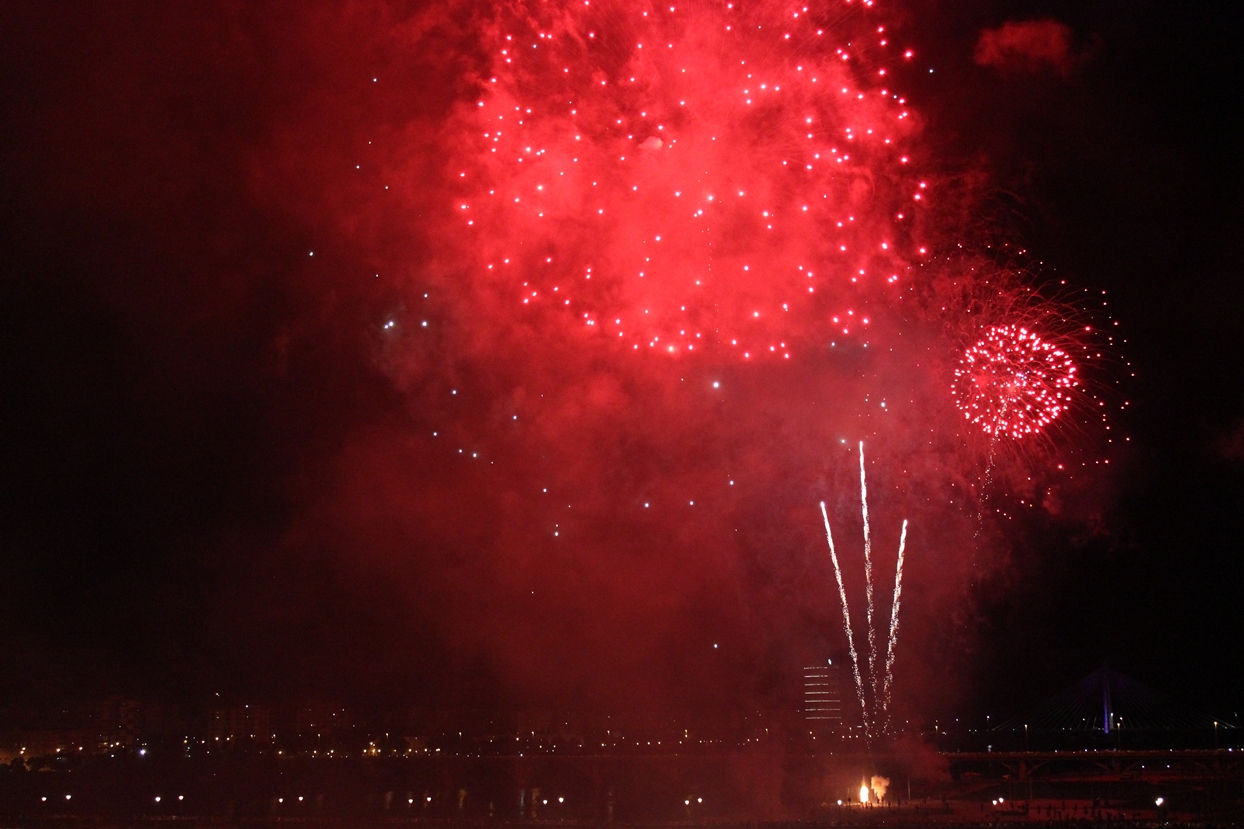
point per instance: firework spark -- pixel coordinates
(894, 605)
(846, 623)
(868, 580)
(1013, 383)
(879, 699)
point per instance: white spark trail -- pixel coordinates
(846, 622)
(868, 582)
(889, 656)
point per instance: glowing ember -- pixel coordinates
(1013, 383)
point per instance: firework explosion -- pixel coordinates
(1013, 383)
(688, 179)
(668, 253)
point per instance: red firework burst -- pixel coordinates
(1014, 383)
(676, 179)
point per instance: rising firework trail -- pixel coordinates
(879, 687)
(894, 605)
(846, 623)
(868, 581)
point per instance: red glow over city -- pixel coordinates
(747, 381)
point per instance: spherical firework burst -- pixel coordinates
(1014, 383)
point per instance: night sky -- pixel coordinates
(277, 422)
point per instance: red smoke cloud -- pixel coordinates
(639, 278)
(1029, 46)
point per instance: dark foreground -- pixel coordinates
(772, 790)
(894, 821)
